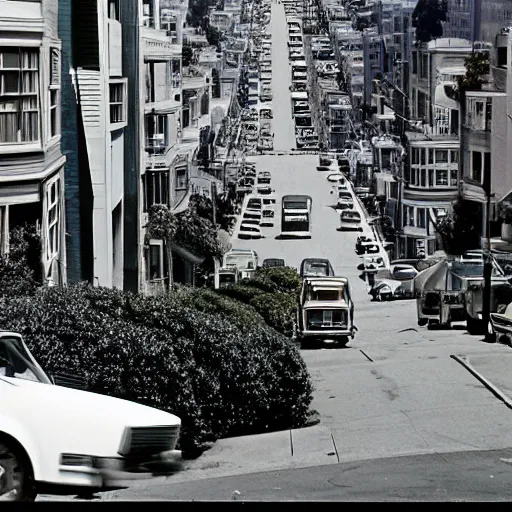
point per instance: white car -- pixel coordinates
(248, 231)
(58, 440)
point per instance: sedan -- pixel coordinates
(247, 232)
(55, 439)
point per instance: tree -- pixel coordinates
(225, 209)
(213, 35)
(461, 230)
(477, 66)
(186, 55)
(197, 234)
(427, 18)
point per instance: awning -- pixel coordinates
(382, 176)
(162, 107)
(442, 100)
(186, 254)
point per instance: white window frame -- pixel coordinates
(114, 7)
(162, 270)
(25, 69)
(52, 240)
(164, 195)
(54, 88)
(123, 82)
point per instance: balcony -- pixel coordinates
(158, 47)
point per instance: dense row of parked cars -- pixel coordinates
(305, 134)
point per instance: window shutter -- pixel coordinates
(55, 67)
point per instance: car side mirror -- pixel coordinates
(67, 380)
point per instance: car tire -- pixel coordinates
(14, 465)
(343, 341)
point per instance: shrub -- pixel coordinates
(221, 369)
(278, 310)
(285, 278)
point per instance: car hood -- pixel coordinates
(76, 420)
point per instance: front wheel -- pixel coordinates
(474, 326)
(343, 341)
(16, 480)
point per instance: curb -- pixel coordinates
(498, 393)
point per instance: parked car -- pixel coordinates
(264, 190)
(59, 440)
(264, 178)
(273, 262)
(248, 231)
(350, 221)
(265, 144)
(268, 213)
(325, 311)
(254, 203)
(452, 290)
(316, 267)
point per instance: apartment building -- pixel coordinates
(94, 125)
(164, 164)
(477, 20)
(430, 178)
(31, 161)
(486, 134)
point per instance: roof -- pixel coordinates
(325, 304)
(299, 95)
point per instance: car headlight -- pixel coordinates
(76, 460)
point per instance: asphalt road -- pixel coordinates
(464, 476)
(284, 129)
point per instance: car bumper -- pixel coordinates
(110, 472)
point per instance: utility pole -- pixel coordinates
(486, 299)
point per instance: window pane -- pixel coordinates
(441, 177)
(423, 177)
(154, 262)
(455, 157)
(476, 165)
(10, 59)
(454, 173)
(423, 153)
(11, 82)
(441, 156)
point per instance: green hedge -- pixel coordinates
(273, 294)
(204, 357)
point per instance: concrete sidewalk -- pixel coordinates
(496, 368)
(286, 449)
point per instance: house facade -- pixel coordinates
(31, 162)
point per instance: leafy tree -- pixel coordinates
(213, 35)
(186, 55)
(197, 234)
(225, 209)
(427, 18)
(477, 65)
(461, 230)
(20, 269)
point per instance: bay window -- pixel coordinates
(19, 95)
(156, 188)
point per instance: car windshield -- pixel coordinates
(468, 269)
(15, 361)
